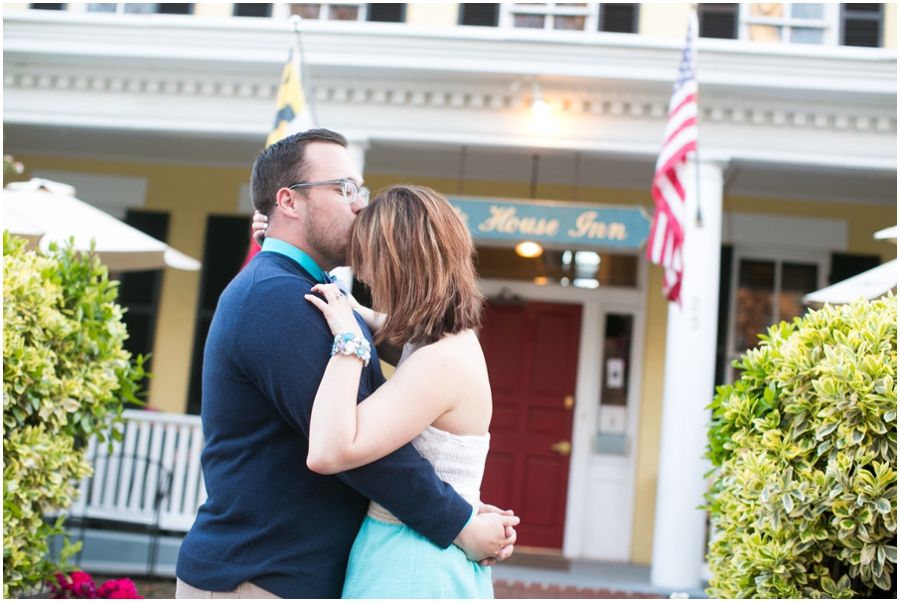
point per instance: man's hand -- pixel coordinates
(489, 536)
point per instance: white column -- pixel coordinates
(679, 529)
(357, 150)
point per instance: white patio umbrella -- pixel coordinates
(870, 284)
(44, 211)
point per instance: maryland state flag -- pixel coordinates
(292, 113)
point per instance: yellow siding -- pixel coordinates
(15, 5)
(443, 14)
(650, 421)
(214, 9)
(663, 19)
(890, 25)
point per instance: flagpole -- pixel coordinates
(298, 42)
(696, 27)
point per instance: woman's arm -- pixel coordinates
(344, 435)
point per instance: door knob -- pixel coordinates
(563, 448)
(569, 402)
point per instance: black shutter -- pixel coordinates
(139, 292)
(47, 6)
(619, 18)
(252, 10)
(476, 13)
(173, 8)
(387, 12)
(861, 25)
(718, 20)
(844, 266)
(722, 363)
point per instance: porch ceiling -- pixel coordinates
(485, 163)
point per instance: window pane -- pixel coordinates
(252, 10)
(530, 21)
(568, 23)
(765, 33)
(807, 11)
(806, 35)
(343, 13)
(47, 6)
(387, 12)
(306, 11)
(142, 8)
(797, 280)
(767, 10)
(105, 7)
(616, 354)
(754, 303)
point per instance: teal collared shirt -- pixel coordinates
(274, 245)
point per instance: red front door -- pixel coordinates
(532, 356)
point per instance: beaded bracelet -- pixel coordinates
(352, 344)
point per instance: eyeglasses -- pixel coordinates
(349, 189)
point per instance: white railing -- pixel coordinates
(124, 482)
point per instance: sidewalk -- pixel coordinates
(539, 576)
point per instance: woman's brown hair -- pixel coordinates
(415, 252)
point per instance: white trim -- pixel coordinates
(595, 304)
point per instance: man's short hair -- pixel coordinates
(284, 164)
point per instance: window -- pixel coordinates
(620, 18)
(796, 23)
(551, 15)
(767, 289)
(47, 6)
(718, 20)
(346, 11)
(861, 24)
(581, 269)
(142, 8)
(252, 10)
(472, 13)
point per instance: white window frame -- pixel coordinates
(282, 10)
(822, 259)
(830, 24)
(508, 10)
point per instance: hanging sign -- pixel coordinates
(549, 221)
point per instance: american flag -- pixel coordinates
(680, 138)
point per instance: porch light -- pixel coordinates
(529, 249)
(539, 107)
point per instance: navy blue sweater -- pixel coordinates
(268, 518)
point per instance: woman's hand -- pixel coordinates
(258, 227)
(336, 309)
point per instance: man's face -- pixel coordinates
(329, 219)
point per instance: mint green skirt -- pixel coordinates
(393, 561)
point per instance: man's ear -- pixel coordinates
(287, 203)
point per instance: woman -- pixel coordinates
(415, 252)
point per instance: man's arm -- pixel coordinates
(288, 371)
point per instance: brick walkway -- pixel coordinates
(503, 589)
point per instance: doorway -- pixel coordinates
(531, 349)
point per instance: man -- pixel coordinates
(271, 527)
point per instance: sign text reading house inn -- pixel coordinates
(553, 222)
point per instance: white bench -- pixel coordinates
(122, 487)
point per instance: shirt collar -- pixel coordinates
(275, 245)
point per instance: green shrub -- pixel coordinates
(65, 377)
(804, 448)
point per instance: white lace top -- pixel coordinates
(458, 460)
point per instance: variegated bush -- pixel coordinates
(65, 377)
(804, 446)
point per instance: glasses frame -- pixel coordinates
(362, 193)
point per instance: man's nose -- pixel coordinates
(357, 206)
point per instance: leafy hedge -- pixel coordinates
(65, 377)
(804, 444)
